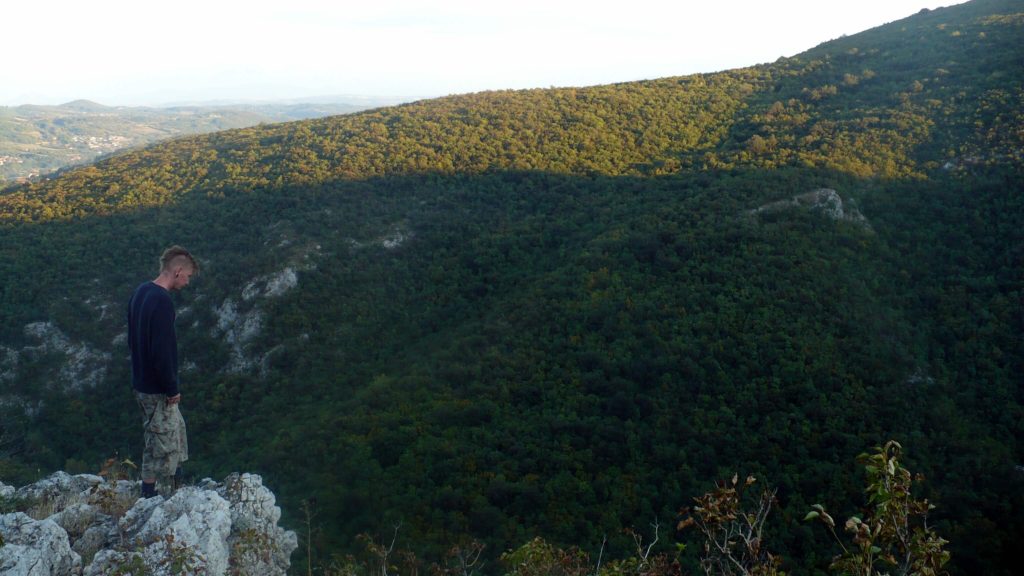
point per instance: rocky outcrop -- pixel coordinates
(238, 329)
(254, 529)
(271, 285)
(240, 322)
(824, 200)
(83, 366)
(85, 525)
(35, 548)
(190, 529)
(79, 367)
(59, 489)
(8, 363)
(390, 240)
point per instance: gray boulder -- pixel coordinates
(57, 491)
(185, 534)
(94, 539)
(258, 544)
(87, 527)
(35, 548)
(78, 518)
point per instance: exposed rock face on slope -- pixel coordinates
(823, 200)
(81, 366)
(86, 526)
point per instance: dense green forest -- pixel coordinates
(560, 312)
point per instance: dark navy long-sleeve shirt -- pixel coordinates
(152, 340)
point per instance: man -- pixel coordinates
(154, 352)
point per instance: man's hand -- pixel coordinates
(172, 400)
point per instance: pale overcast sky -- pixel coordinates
(143, 52)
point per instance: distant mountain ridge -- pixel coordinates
(83, 105)
(37, 139)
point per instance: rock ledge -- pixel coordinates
(86, 526)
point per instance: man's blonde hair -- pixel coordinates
(176, 255)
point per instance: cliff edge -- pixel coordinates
(85, 525)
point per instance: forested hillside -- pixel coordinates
(566, 312)
(38, 140)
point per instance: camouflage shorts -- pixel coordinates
(166, 443)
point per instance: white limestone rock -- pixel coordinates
(20, 404)
(259, 545)
(824, 200)
(120, 341)
(390, 240)
(98, 527)
(78, 518)
(88, 528)
(252, 505)
(240, 318)
(238, 329)
(198, 520)
(271, 285)
(155, 560)
(94, 539)
(58, 491)
(6, 491)
(395, 239)
(35, 548)
(83, 366)
(186, 533)
(101, 308)
(119, 494)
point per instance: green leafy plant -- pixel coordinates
(540, 558)
(106, 495)
(115, 469)
(461, 560)
(379, 558)
(893, 535)
(133, 566)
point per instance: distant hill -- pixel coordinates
(36, 140)
(902, 100)
(566, 312)
(84, 106)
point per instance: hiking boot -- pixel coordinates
(148, 489)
